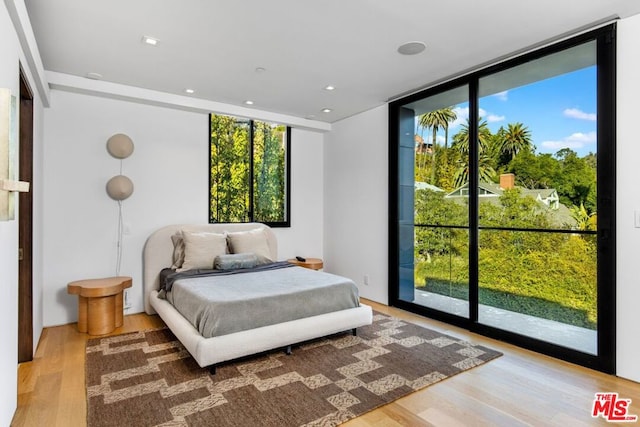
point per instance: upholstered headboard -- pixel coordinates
(158, 250)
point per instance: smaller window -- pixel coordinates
(249, 177)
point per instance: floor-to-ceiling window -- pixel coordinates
(501, 200)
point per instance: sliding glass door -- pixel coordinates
(501, 189)
(537, 242)
(438, 264)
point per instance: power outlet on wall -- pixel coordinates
(127, 301)
(366, 280)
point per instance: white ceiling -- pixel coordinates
(215, 46)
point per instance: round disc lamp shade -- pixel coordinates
(119, 187)
(120, 146)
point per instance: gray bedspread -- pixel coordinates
(219, 305)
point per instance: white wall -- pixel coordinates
(339, 204)
(8, 253)
(169, 169)
(355, 201)
(628, 199)
(11, 55)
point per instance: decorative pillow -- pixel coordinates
(201, 248)
(235, 261)
(178, 250)
(253, 241)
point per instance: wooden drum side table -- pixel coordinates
(99, 303)
(312, 263)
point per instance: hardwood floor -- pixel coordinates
(519, 388)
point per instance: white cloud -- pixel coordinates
(492, 118)
(576, 113)
(502, 96)
(463, 114)
(575, 141)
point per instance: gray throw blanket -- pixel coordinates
(168, 276)
(219, 304)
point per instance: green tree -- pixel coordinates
(436, 120)
(515, 139)
(269, 170)
(432, 209)
(229, 201)
(534, 171)
(575, 180)
(450, 116)
(514, 211)
(486, 173)
(584, 220)
(231, 160)
(461, 144)
(461, 139)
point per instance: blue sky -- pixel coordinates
(560, 112)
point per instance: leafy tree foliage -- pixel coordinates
(461, 143)
(534, 171)
(549, 275)
(229, 169)
(576, 180)
(573, 177)
(436, 120)
(461, 139)
(513, 140)
(269, 172)
(584, 219)
(231, 160)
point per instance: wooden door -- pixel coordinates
(25, 226)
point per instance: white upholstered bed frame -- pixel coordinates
(158, 252)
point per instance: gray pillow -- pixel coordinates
(178, 250)
(201, 249)
(253, 241)
(235, 261)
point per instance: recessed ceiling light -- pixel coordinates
(326, 110)
(189, 91)
(260, 70)
(150, 41)
(412, 48)
(248, 102)
(94, 76)
(329, 87)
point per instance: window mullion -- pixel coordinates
(474, 148)
(251, 154)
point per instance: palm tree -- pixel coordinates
(461, 142)
(435, 120)
(450, 116)
(584, 220)
(515, 138)
(486, 173)
(461, 139)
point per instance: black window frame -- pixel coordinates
(287, 199)
(605, 360)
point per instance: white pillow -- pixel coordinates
(201, 249)
(253, 241)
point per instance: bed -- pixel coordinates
(208, 352)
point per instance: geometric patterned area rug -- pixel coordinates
(149, 379)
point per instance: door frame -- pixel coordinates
(25, 224)
(605, 360)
